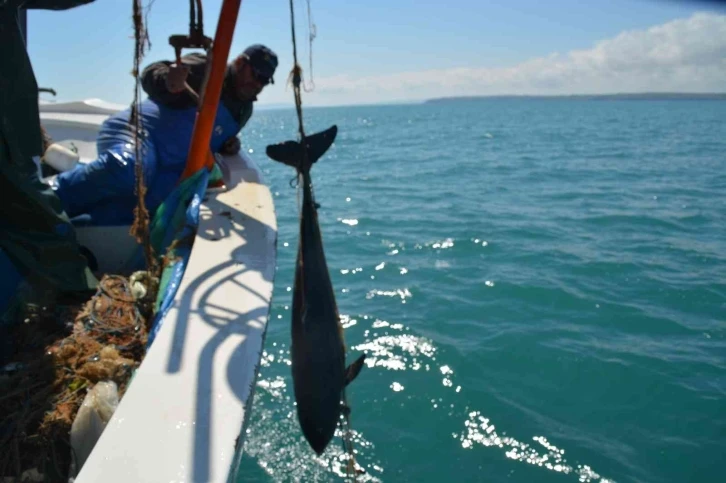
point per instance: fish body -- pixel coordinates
(318, 348)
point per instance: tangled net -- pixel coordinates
(57, 359)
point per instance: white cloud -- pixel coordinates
(687, 55)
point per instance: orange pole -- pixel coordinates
(199, 155)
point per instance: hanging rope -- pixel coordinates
(296, 79)
(140, 228)
(351, 470)
(312, 33)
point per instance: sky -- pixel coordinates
(387, 51)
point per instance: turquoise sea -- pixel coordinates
(539, 285)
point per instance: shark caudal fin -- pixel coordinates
(290, 152)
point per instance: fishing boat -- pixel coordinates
(183, 414)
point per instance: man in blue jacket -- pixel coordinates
(105, 188)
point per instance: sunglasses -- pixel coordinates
(261, 78)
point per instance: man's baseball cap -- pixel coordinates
(262, 60)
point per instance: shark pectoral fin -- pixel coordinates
(352, 371)
(289, 152)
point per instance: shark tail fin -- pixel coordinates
(290, 153)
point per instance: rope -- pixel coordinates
(347, 438)
(140, 228)
(312, 33)
(296, 78)
(119, 313)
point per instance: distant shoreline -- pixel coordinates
(645, 96)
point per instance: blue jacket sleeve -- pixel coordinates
(109, 177)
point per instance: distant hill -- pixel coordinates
(278, 105)
(644, 96)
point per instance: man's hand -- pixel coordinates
(231, 146)
(176, 78)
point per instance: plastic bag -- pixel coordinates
(95, 412)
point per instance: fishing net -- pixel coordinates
(61, 353)
(57, 355)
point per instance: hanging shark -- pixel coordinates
(319, 373)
